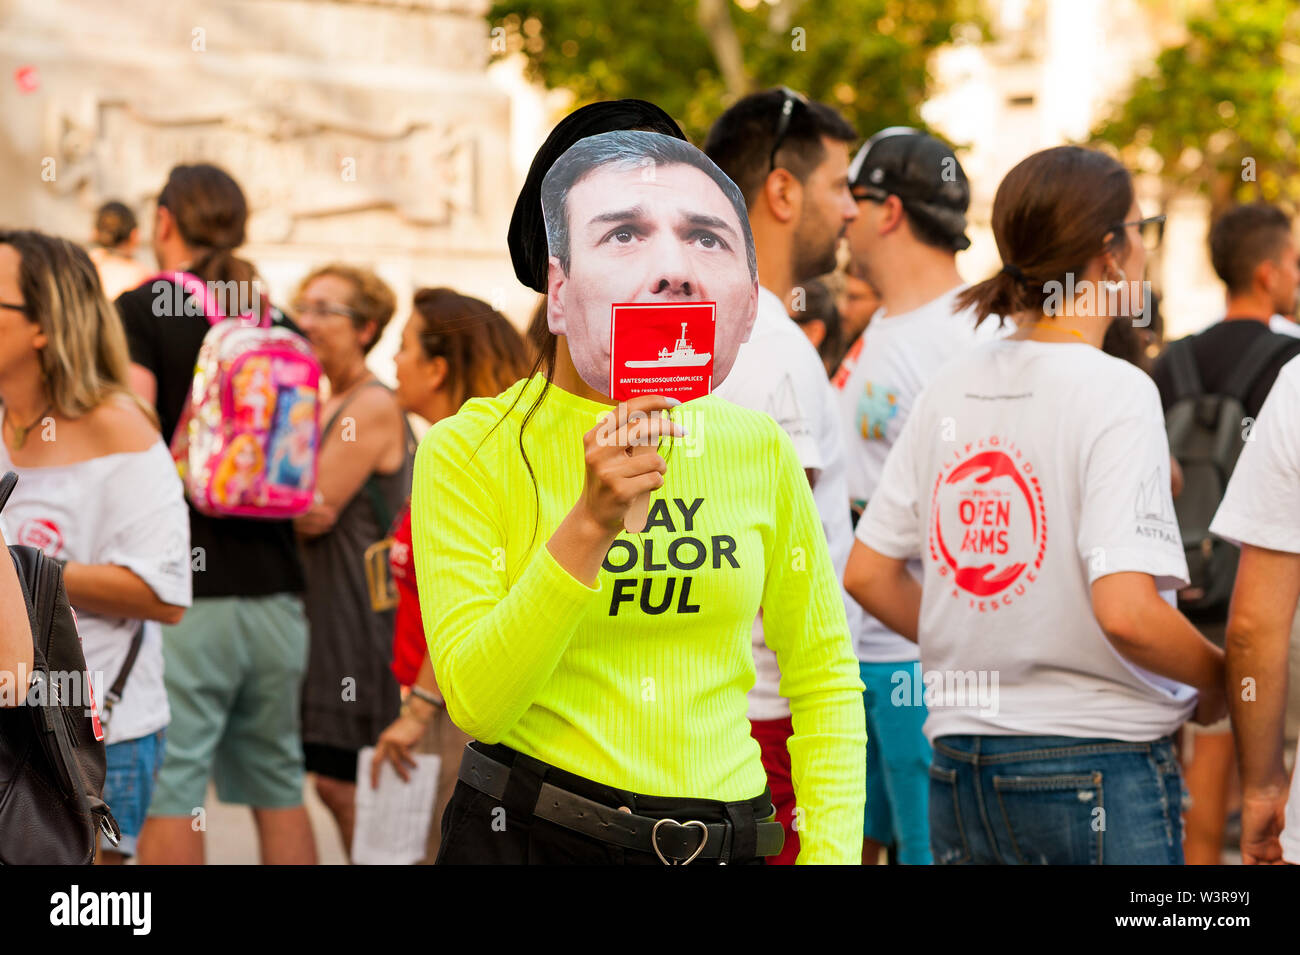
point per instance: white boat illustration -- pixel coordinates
(682, 355)
(1150, 504)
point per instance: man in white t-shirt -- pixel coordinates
(790, 158)
(912, 198)
(1259, 512)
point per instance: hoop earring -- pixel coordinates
(1115, 293)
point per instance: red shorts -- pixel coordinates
(772, 736)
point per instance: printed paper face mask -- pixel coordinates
(643, 218)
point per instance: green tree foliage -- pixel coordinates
(1220, 113)
(866, 57)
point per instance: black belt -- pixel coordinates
(675, 843)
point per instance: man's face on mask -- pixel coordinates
(645, 234)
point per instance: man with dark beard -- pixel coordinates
(790, 158)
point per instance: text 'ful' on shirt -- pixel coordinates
(684, 552)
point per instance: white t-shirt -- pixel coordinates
(126, 509)
(1283, 326)
(778, 371)
(1026, 471)
(877, 384)
(1259, 508)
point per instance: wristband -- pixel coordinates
(407, 711)
(431, 698)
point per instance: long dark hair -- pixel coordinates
(211, 215)
(1053, 213)
(485, 355)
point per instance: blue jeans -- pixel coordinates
(1055, 800)
(131, 771)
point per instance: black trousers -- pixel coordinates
(478, 829)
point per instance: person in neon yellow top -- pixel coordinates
(604, 673)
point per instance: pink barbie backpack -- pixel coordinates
(245, 445)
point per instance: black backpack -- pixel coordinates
(51, 763)
(1206, 434)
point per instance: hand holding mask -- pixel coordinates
(651, 254)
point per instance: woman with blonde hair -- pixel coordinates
(364, 468)
(97, 491)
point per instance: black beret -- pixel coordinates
(527, 235)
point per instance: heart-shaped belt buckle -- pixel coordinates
(693, 823)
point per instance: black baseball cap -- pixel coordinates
(922, 171)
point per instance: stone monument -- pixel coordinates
(365, 131)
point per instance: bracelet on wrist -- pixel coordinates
(408, 710)
(432, 699)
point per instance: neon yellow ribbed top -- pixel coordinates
(639, 683)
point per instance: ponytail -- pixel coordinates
(1007, 293)
(211, 215)
(1051, 216)
(220, 267)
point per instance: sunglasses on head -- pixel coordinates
(789, 99)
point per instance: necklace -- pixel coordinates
(365, 377)
(1060, 331)
(20, 433)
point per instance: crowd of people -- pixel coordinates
(974, 576)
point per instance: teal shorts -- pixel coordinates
(898, 762)
(234, 669)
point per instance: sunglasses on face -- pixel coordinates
(1151, 229)
(22, 309)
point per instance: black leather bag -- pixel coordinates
(51, 764)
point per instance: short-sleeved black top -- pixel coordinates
(1218, 351)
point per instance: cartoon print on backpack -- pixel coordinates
(293, 440)
(235, 482)
(257, 394)
(246, 441)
